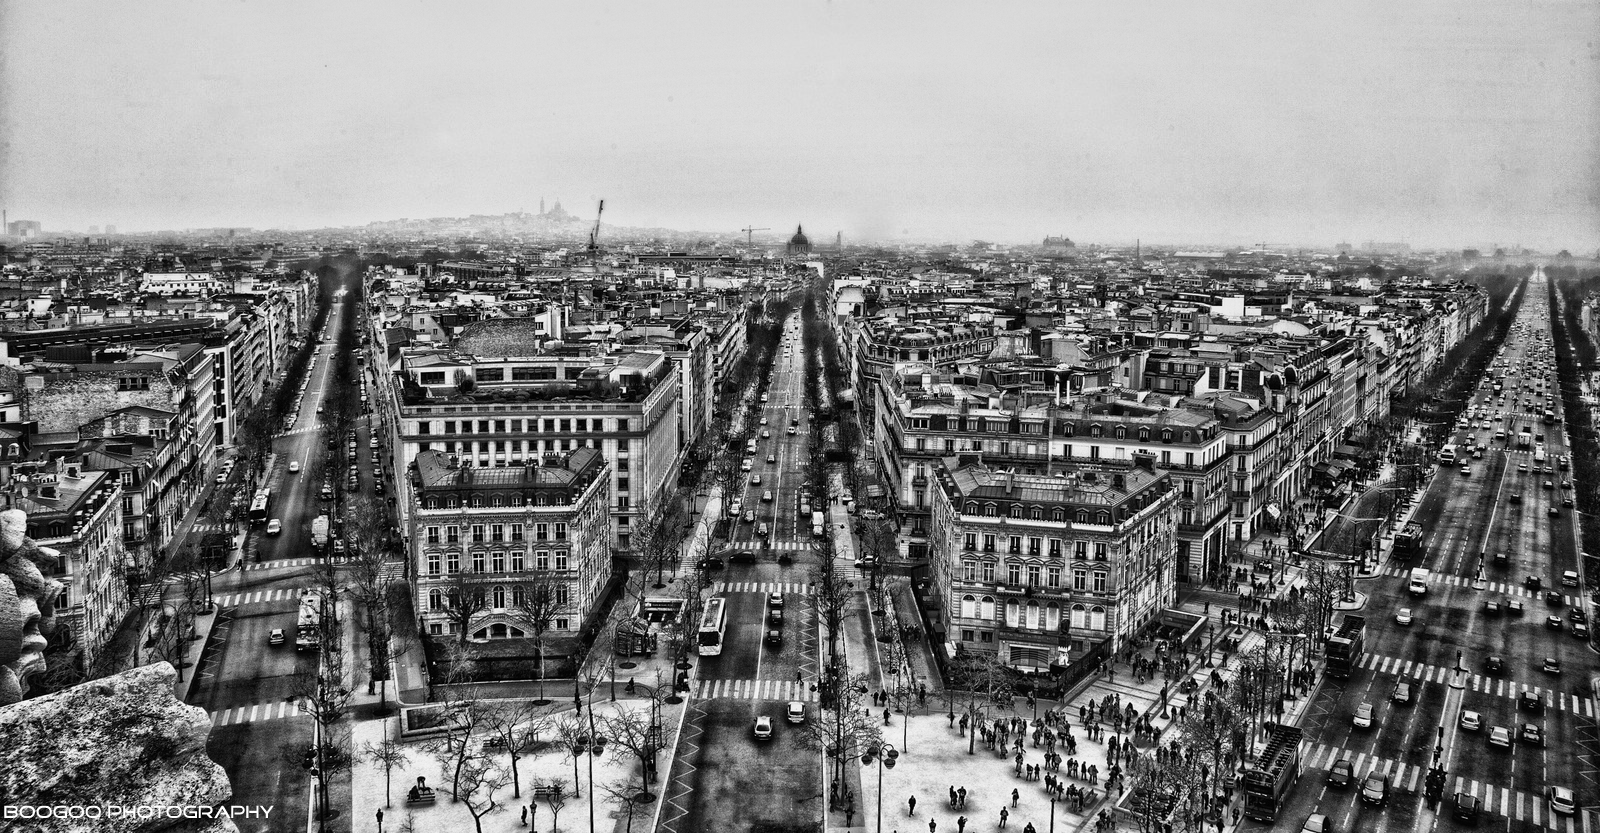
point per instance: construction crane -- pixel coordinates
(750, 235)
(594, 235)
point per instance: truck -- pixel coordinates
(816, 524)
(1538, 454)
(1343, 648)
(1418, 584)
(1525, 438)
(1267, 783)
(308, 630)
(319, 531)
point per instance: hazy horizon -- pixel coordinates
(1439, 124)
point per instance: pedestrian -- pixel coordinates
(1003, 816)
(911, 806)
(953, 720)
(961, 799)
(952, 796)
(886, 717)
(1014, 796)
(798, 678)
(932, 825)
(524, 816)
(961, 825)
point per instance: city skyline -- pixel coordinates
(1435, 124)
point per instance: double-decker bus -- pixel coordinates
(308, 630)
(713, 622)
(260, 505)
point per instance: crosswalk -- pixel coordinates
(285, 563)
(1499, 687)
(1503, 801)
(1502, 587)
(255, 713)
(784, 546)
(755, 690)
(256, 597)
(786, 588)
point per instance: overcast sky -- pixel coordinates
(1447, 123)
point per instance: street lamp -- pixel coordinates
(885, 756)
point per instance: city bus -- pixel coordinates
(712, 624)
(1408, 542)
(260, 505)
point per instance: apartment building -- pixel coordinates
(1045, 570)
(505, 536)
(505, 412)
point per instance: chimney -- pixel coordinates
(1011, 481)
(1118, 482)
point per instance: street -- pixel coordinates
(1506, 503)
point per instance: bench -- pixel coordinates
(421, 798)
(545, 791)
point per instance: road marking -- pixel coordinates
(754, 690)
(787, 588)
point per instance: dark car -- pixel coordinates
(1494, 665)
(774, 636)
(1533, 583)
(711, 563)
(743, 557)
(1553, 623)
(1375, 790)
(1530, 701)
(1467, 807)
(1342, 774)
(775, 618)
(1531, 733)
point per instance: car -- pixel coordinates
(327, 491)
(711, 562)
(1580, 630)
(1533, 583)
(743, 557)
(1548, 485)
(775, 618)
(1502, 558)
(747, 464)
(1466, 807)
(1551, 665)
(1466, 471)
(1530, 701)
(1403, 616)
(1363, 718)
(765, 434)
(275, 636)
(1491, 607)
(763, 728)
(763, 397)
(792, 431)
(1515, 607)
(755, 480)
(1562, 801)
(1522, 467)
(1341, 774)
(774, 636)
(775, 600)
(763, 420)
(761, 529)
(294, 466)
(1554, 623)
(1531, 733)
(1577, 615)
(274, 526)
(1494, 665)
(1375, 790)
(1553, 511)
(1500, 736)
(373, 443)
(772, 458)
(749, 516)
(222, 477)
(766, 496)
(1402, 694)
(795, 712)
(1566, 500)
(1316, 823)
(1470, 721)
(1569, 578)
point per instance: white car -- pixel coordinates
(1471, 721)
(274, 526)
(294, 466)
(1403, 616)
(1562, 801)
(795, 712)
(763, 728)
(1363, 718)
(1315, 823)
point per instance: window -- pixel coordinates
(970, 541)
(435, 600)
(479, 562)
(561, 559)
(988, 543)
(1033, 575)
(517, 564)
(433, 535)
(562, 596)
(1099, 550)
(452, 534)
(516, 532)
(991, 511)
(561, 624)
(452, 562)
(1097, 618)
(1037, 514)
(499, 562)
(497, 532)
(499, 597)
(1013, 573)
(1014, 545)
(519, 595)
(433, 563)
(1035, 545)
(969, 570)
(986, 608)
(1079, 617)
(132, 383)
(477, 532)
(988, 571)
(1053, 575)
(1016, 511)
(1099, 581)
(492, 374)
(541, 560)
(561, 531)
(541, 532)
(1080, 579)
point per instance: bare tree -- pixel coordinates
(460, 744)
(624, 793)
(656, 537)
(543, 601)
(476, 786)
(636, 731)
(465, 596)
(389, 754)
(556, 795)
(515, 725)
(319, 692)
(980, 678)
(844, 728)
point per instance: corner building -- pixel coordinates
(1046, 571)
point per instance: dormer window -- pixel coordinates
(1094, 431)
(1037, 514)
(991, 511)
(1016, 512)
(1121, 433)
(1144, 435)
(1166, 435)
